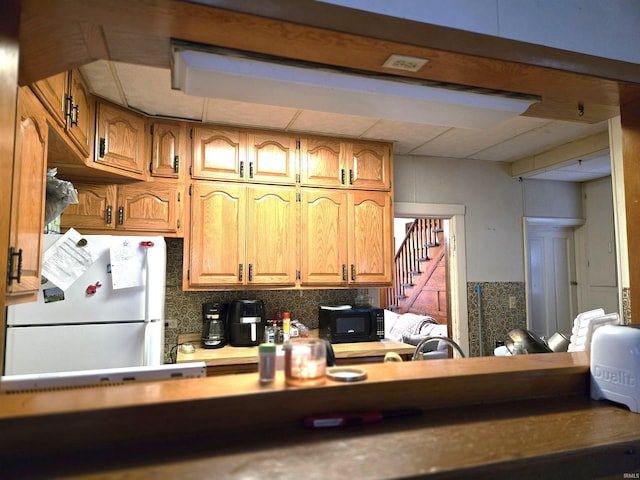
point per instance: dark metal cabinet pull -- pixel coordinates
(344, 272)
(103, 148)
(75, 116)
(250, 169)
(240, 271)
(176, 164)
(109, 215)
(241, 169)
(10, 266)
(121, 216)
(250, 272)
(350, 177)
(353, 272)
(342, 176)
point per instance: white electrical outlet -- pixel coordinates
(512, 302)
(171, 324)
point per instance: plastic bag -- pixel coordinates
(60, 194)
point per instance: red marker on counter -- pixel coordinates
(360, 418)
(147, 243)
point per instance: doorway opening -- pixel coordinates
(451, 217)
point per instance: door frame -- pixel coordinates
(548, 222)
(457, 260)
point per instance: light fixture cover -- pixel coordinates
(242, 79)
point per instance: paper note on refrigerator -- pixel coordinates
(67, 259)
(127, 263)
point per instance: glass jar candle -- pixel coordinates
(305, 361)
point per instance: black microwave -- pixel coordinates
(346, 325)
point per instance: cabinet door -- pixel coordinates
(218, 154)
(322, 162)
(324, 237)
(371, 237)
(165, 149)
(27, 197)
(272, 158)
(271, 235)
(80, 122)
(217, 234)
(96, 208)
(148, 207)
(120, 138)
(52, 92)
(369, 166)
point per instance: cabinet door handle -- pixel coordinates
(120, 215)
(68, 109)
(10, 266)
(342, 176)
(103, 148)
(74, 117)
(250, 169)
(176, 164)
(108, 215)
(250, 272)
(241, 169)
(353, 272)
(240, 271)
(350, 177)
(344, 272)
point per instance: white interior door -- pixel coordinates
(551, 284)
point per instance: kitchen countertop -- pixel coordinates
(491, 417)
(228, 355)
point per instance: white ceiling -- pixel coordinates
(148, 89)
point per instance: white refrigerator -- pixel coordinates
(110, 316)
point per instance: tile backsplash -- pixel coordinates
(186, 307)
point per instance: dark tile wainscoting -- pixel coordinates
(497, 318)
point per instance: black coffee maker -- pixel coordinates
(246, 322)
(213, 325)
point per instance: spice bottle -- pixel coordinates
(267, 362)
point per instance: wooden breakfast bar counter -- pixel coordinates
(230, 359)
(524, 417)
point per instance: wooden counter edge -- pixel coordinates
(232, 404)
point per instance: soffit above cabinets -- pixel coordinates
(148, 89)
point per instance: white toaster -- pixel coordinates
(615, 365)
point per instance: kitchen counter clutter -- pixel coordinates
(527, 415)
(230, 359)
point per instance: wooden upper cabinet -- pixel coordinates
(321, 162)
(95, 208)
(370, 238)
(218, 153)
(149, 207)
(217, 237)
(81, 120)
(335, 163)
(324, 237)
(52, 92)
(120, 139)
(68, 100)
(272, 158)
(140, 207)
(27, 200)
(166, 154)
(369, 165)
(242, 235)
(271, 236)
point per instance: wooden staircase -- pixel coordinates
(420, 272)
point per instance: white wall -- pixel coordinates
(494, 207)
(596, 27)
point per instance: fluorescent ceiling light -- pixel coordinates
(242, 79)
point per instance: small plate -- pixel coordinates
(346, 374)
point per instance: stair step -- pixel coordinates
(407, 285)
(424, 259)
(415, 272)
